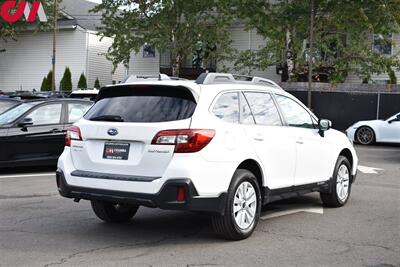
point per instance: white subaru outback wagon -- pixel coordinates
(217, 145)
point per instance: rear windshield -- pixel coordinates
(142, 104)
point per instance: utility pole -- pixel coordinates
(53, 59)
(311, 52)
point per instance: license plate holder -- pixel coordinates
(116, 151)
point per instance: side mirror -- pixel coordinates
(25, 122)
(324, 125)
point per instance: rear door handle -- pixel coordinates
(56, 130)
(259, 137)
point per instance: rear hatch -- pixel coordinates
(117, 131)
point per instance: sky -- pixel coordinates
(96, 1)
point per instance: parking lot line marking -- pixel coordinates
(26, 175)
(288, 210)
(368, 170)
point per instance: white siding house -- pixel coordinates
(97, 64)
(382, 78)
(242, 40)
(140, 65)
(28, 59)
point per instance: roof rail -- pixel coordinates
(212, 78)
(135, 78)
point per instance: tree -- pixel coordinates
(97, 84)
(166, 25)
(46, 83)
(82, 84)
(66, 81)
(43, 86)
(343, 35)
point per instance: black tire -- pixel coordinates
(113, 213)
(365, 135)
(225, 225)
(332, 198)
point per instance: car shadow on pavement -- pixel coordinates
(178, 226)
(157, 225)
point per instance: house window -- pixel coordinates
(148, 51)
(380, 81)
(383, 44)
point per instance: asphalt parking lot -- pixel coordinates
(40, 228)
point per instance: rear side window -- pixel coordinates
(263, 108)
(136, 103)
(227, 107)
(47, 114)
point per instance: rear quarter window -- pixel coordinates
(227, 107)
(140, 103)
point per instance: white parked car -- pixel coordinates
(380, 131)
(218, 145)
(89, 94)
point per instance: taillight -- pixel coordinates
(73, 133)
(185, 141)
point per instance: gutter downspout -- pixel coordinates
(87, 57)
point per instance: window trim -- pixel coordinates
(240, 110)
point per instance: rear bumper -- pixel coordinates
(164, 199)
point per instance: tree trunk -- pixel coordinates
(176, 65)
(175, 56)
(289, 55)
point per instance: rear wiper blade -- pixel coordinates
(108, 118)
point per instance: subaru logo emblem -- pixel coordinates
(113, 132)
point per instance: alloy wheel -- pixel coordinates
(342, 183)
(245, 205)
(365, 136)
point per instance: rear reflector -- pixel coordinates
(180, 196)
(73, 133)
(186, 140)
